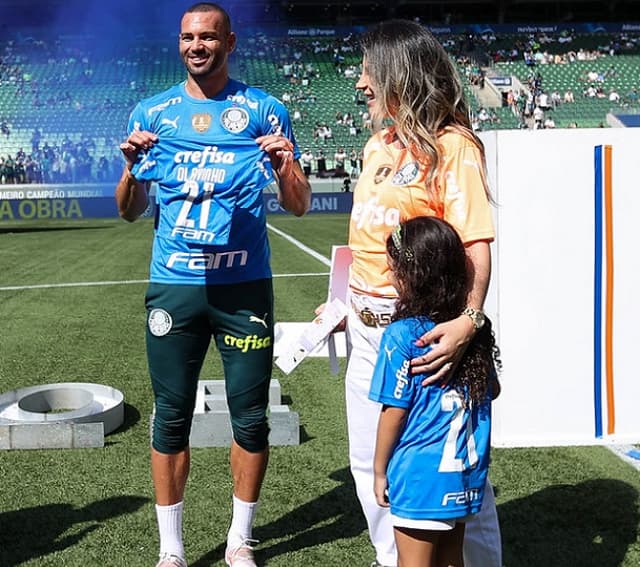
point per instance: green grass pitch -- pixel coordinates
(94, 507)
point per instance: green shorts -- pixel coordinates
(181, 319)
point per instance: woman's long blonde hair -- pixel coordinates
(418, 87)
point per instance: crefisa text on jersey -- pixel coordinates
(401, 379)
(209, 155)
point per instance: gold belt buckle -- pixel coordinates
(371, 319)
(368, 317)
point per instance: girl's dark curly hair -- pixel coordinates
(430, 266)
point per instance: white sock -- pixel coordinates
(241, 527)
(170, 528)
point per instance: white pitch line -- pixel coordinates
(129, 282)
(299, 244)
(69, 284)
(284, 235)
(622, 451)
(305, 275)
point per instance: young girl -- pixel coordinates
(432, 448)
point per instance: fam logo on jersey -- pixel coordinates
(160, 107)
(406, 174)
(382, 173)
(159, 322)
(201, 122)
(241, 99)
(234, 119)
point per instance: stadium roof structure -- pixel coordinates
(471, 11)
(331, 12)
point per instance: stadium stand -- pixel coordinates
(64, 103)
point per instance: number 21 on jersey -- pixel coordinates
(450, 462)
(192, 189)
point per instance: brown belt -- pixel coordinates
(371, 319)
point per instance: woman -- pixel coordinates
(426, 161)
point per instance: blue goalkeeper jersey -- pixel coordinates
(210, 174)
(439, 466)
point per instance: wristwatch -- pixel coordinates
(476, 316)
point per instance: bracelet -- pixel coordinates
(476, 316)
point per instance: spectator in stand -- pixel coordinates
(614, 96)
(102, 171)
(306, 159)
(366, 120)
(529, 104)
(632, 96)
(339, 159)
(590, 91)
(513, 101)
(318, 132)
(32, 170)
(36, 137)
(538, 118)
(353, 164)
(8, 171)
(543, 101)
(20, 174)
(321, 164)
(483, 115)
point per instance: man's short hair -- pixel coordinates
(211, 7)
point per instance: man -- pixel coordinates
(306, 159)
(321, 164)
(339, 159)
(212, 144)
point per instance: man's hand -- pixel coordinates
(448, 342)
(139, 141)
(280, 150)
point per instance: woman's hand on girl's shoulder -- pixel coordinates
(448, 341)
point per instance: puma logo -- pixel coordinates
(254, 319)
(173, 122)
(389, 352)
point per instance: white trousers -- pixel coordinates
(482, 543)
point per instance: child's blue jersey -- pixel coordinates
(210, 223)
(439, 467)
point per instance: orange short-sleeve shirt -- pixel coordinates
(392, 189)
